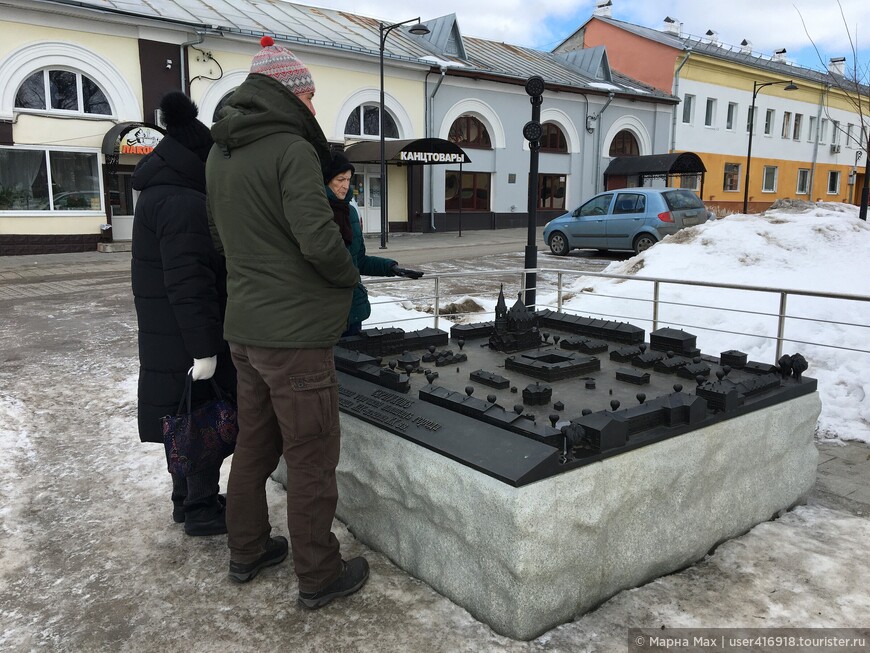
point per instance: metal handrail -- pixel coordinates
(781, 314)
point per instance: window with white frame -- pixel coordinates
(850, 128)
(365, 121)
(38, 179)
(798, 120)
(823, 131)
(469, 131)
(731, 116)
(811, 135)
(835, 132)
(731, 180)
(750, 122)
(710, 112)
(688, 108)
(833, 182)
(803, 181)
(691, 182)
(786, 124)
(768, 179)
(769, 118)
(62, 91)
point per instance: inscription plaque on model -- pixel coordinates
(563, 406)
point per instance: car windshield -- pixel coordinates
(679, 200)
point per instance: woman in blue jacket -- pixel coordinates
(337, 178)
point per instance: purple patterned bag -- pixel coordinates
(202, 437)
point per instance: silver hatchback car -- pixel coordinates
(628, 218)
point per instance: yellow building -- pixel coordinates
(79, 91)
(808, 140)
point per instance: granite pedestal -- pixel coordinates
(526, 559)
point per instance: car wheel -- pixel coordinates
(643, 242)
(559, 243)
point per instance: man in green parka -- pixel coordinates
(290, 280)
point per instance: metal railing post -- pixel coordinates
(523, 286)
(780, 329)
(655, 306)
(437, 299)
(559, 293)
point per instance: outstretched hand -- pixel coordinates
(406, 272)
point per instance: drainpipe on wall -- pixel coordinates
(677, 95)
(430, 111)
(816, 140)
(183, 50)
(590, 119)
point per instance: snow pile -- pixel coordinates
(825, 248)
(800, 246)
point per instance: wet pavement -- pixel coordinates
(90, 561)
(497, 257)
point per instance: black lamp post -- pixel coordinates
(419, 29)
(755, 88)
(532, 131)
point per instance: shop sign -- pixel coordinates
(140, 140)
(432, 157)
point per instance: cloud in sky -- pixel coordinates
(769, 25)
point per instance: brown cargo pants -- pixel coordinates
(288, 403)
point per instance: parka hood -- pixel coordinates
(262, 107)
(170, 164)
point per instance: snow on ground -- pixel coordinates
(91, 561)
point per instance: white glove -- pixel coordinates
(203, 368)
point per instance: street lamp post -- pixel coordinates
(755, 88)
(532, 131)
(419, 29)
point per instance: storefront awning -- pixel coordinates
(131, 138)
(420, 151)
(683, 165)
(656, 164)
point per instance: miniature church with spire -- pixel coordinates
(514, 329)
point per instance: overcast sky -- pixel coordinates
(767, 24)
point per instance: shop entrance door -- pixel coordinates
(121, 202)
(366, 184)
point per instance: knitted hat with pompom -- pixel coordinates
(179, 116)
(279, 63)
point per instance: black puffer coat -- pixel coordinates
(179, 284)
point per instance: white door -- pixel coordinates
(122, 203)
(366, 184)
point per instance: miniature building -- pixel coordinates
(514, 329)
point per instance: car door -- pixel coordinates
(625, 220)
(588, 228)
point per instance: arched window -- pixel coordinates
(62, 90)
(365, 120)
(553, 139)
(468, 131)
(221, 105)
(624, 144)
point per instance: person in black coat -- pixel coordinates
(179, 287)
